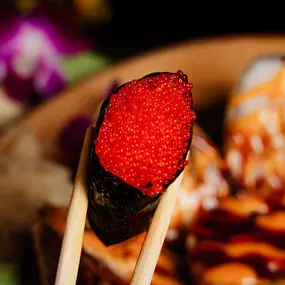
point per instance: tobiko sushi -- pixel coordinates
(138, 148)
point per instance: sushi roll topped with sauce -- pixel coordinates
(255, 129)
(243, 236)
(203, 184)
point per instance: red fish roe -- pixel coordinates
(146, 131)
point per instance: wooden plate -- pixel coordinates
(212, 65)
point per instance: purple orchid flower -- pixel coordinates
(30, 52)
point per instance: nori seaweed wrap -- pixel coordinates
(138, 148)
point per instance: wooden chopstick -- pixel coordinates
(154, 240)
(72, 242)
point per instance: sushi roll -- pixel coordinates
(203, 184)
(255, 130)
(138, 148)
(242, 238)
(99, 264)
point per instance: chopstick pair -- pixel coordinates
(72, 242)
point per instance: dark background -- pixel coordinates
(137, 26)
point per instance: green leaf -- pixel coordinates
(83, 64)
(8, 275)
